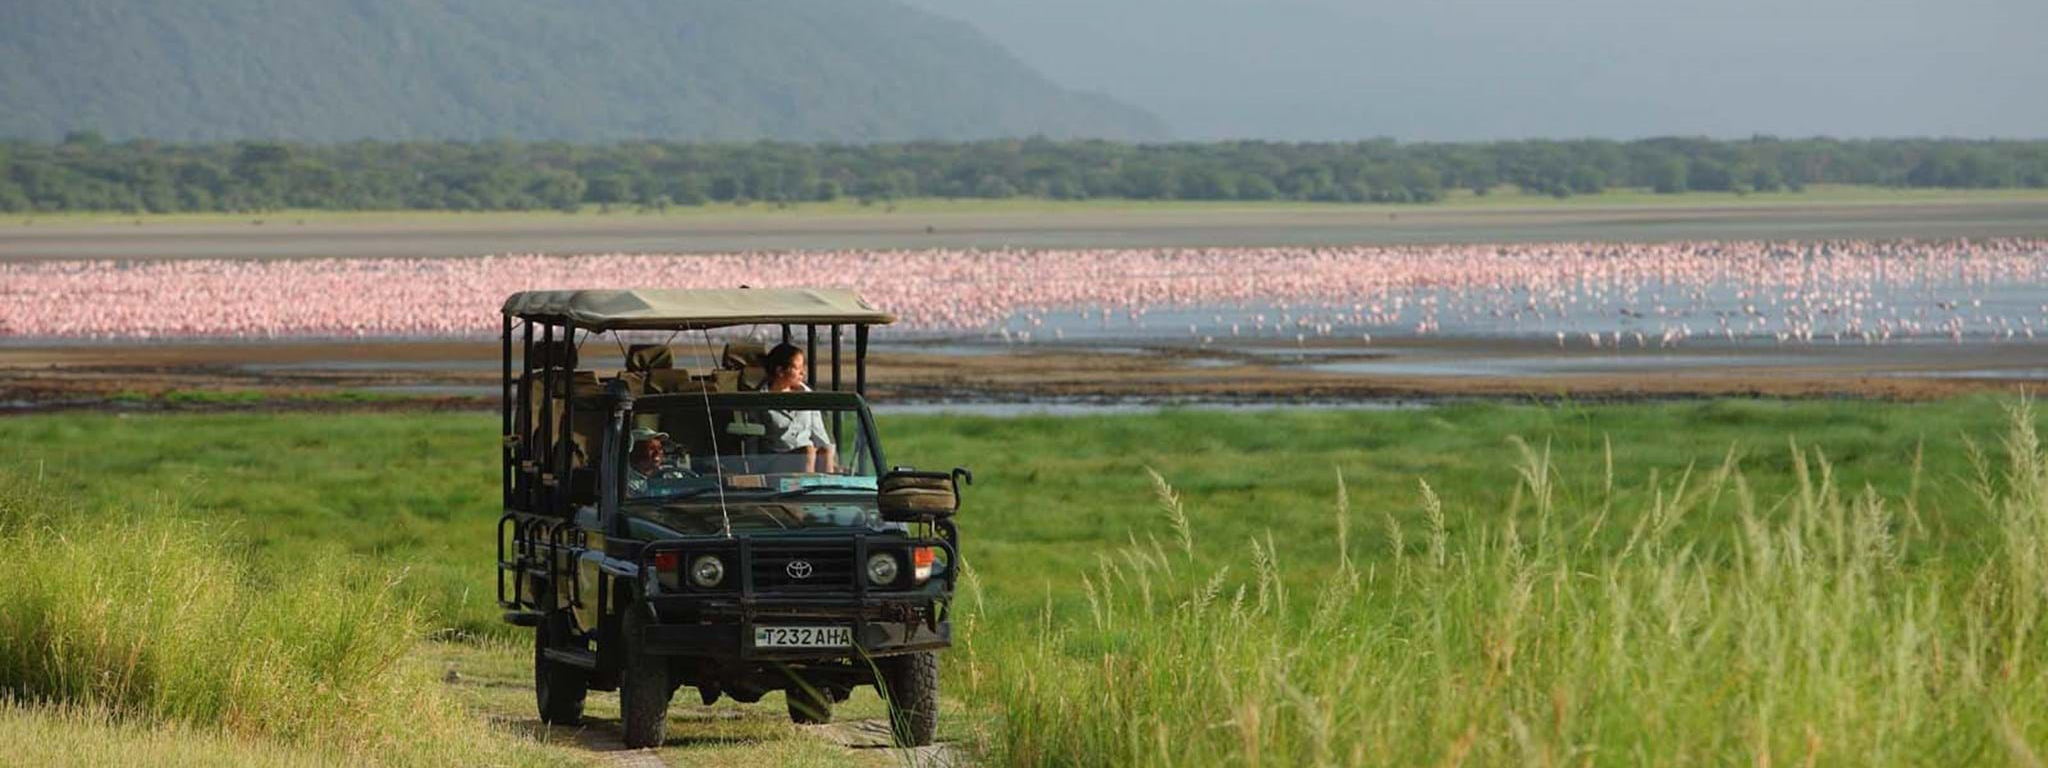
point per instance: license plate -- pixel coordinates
(803, 637)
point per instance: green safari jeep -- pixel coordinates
(715, 526)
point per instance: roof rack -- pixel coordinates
(664, 309)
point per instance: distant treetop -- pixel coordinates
(86, 173)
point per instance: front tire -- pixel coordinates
(807, 705)
(911, 684)
(558, 689)
(644, 688)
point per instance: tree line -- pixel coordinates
(85, 173)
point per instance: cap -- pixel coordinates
(643, 434)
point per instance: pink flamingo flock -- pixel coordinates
(1601, 295)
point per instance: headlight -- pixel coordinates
(707, 571)
(882, 569)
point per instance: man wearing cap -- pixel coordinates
(645, 459)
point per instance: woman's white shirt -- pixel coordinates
(794, 430)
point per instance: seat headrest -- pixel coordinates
(551, 354)
(667, 381)
(648, 357)
(741, 355)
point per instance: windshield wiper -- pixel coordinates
(689, 494)
(812, 488)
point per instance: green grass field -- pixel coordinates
(1825, 583)
(592, 216)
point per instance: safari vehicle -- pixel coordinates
(722, 564)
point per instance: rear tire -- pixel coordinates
(644, 688)
(558, 689)
(808, 705)
(911, 684)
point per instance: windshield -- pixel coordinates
(791, 460)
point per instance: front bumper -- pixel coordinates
(729, 639)
(720, 622)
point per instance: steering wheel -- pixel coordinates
(674, 473)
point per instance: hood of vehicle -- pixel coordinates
(810, 515)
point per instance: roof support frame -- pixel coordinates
(506, 437)
(545, 444)
(565, 456)
(860, 360)
(522, 420)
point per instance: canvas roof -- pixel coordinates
(673, 308)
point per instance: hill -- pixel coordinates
(341, 70)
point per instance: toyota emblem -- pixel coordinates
(799, 569)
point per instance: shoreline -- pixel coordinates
(377, 376)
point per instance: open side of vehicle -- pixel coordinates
(769, 550)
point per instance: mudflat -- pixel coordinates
(464, 374)
(283, 236)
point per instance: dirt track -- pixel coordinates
(494, 681)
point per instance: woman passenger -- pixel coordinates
(795, 432)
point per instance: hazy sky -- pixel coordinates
(1467, 69)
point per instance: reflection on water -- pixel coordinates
(2003, 374)
(1552, 364)
(952, 349)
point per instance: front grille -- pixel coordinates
(831, 568)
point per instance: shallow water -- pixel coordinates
(1883, 293)
(1976, 313)
(2007, 374)
(1559, 364)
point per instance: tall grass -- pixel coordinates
(419, 492)
(1714, 627)
(91, 736)
(147, 619)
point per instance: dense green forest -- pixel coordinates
(87, 173)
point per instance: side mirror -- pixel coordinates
(745, 429)
(909, 496)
